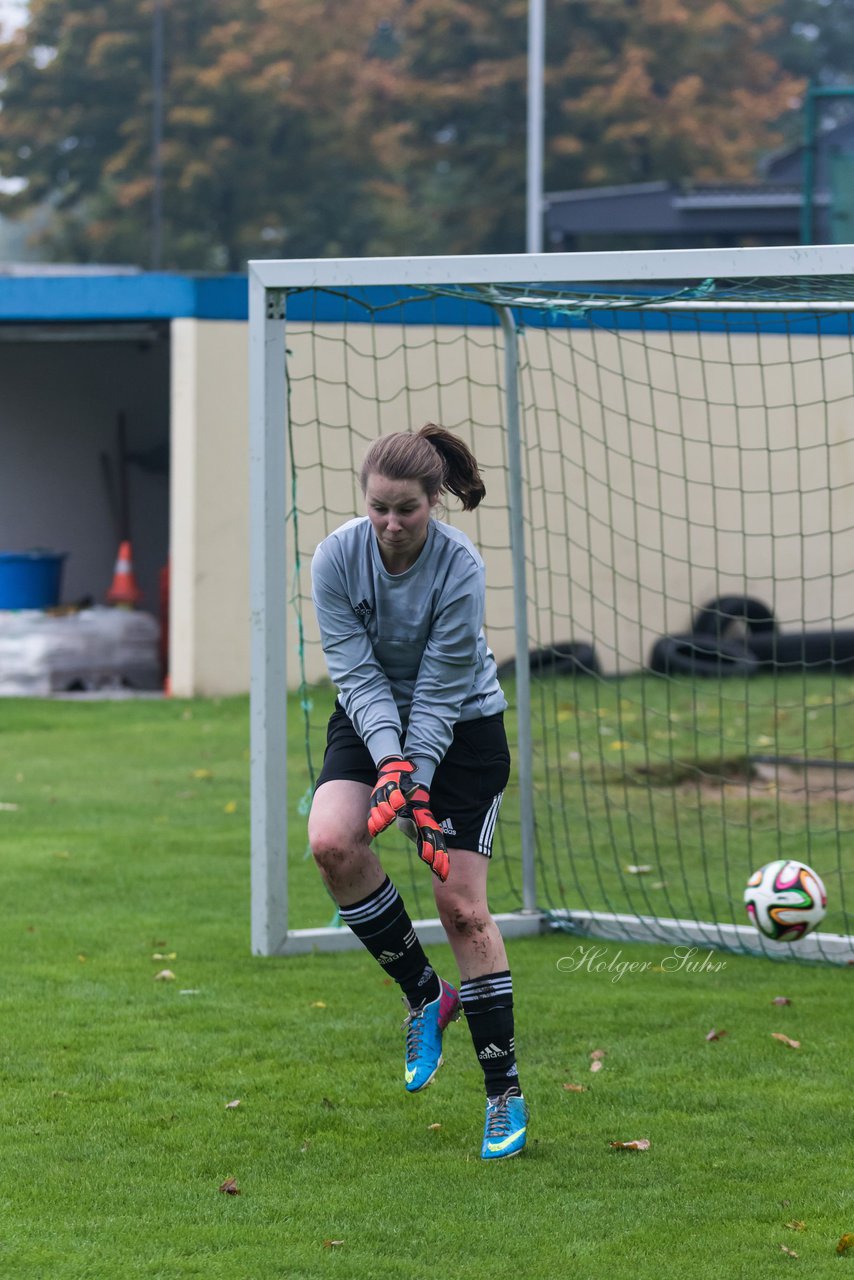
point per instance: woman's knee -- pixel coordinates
(463, 917)
(337, 825)
(333, 846)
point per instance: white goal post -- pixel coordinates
(269, 284)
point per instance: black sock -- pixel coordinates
(381, 924)
(488, 1005)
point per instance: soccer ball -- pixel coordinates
(785, 900)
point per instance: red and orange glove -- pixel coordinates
(389, 795)
(428, 834)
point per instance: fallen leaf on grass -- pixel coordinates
(781, 1000)
(796, 1225)
(203, 775)
(790, 1252)
(305, 1146)
(715, 1035)
(167, 955)
(597, 1065)
(433, 1126)
(332, 1244)
(790, 1044)
(230, 1187)
(846, 1242)
(231, 807)
(597, 1054)
(230, 1106)
(165, 975)
(318, 1004)
(575, 1088)
(639, 1144)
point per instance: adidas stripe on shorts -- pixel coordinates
(467, 787)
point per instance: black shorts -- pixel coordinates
(467, 787)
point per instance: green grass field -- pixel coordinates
(128, 842)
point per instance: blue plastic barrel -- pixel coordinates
(30, 579)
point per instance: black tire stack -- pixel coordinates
(738, 635)
(568, 658)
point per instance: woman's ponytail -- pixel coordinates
(462, 475)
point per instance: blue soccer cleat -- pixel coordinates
(506, 1130)
(424, 1029)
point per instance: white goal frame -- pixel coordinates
(268, 425)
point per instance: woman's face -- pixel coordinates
(399, 511)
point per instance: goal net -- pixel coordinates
(667, 442)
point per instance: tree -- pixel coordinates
(635, 90)
(815, 39)
(321, 127)
(668, 90)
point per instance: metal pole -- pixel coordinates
(814, 92)
(520, 609)
(536, 74)
(807, 195)
(268, 586)
(157, 138)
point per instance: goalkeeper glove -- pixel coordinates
(388, 796)
(428, 834)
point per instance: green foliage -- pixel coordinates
(815, 39)
(307, 128)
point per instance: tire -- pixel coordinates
(805, 651)
(693, 655)
(722, 616)
(565, 659)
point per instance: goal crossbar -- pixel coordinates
(575, 268)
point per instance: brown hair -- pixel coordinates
(433, 456)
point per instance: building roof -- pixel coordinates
(62, 294)
(679, 211)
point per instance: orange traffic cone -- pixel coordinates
(124, 590)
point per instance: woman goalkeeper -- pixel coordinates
(417, 735)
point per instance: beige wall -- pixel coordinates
(209, 606)
(661, 470)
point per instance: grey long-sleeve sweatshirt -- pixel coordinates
(406, 650)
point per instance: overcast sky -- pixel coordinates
(12, 14)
